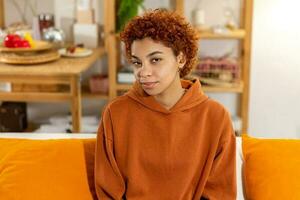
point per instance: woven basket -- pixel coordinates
(29, 58)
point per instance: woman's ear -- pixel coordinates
(181, 60)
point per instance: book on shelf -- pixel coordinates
(126, 77)
(5, 87)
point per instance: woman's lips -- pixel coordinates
(149, 85)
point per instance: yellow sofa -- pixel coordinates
(47, 166)
(270, 168)
(60, 167)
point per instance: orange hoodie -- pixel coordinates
(145, 151)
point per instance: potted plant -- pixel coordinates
(127, 9)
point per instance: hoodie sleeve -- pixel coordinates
(221, 183)
(109, 182)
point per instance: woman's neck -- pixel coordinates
(171, 95)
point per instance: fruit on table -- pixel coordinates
(75, 48)
(27, 36)
(15, 41)
(22, 44)
(10, 39)
(71, 49)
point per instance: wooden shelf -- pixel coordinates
(208, 85)
(86, 93)
(235, 89)
(2, 13)
(238, 88)
(236, 34)
(123, 86)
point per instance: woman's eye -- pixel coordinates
(155, 60)
(136, 64)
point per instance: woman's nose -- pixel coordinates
(145, 70)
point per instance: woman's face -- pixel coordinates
(155, 65)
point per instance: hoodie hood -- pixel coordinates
(192, 97)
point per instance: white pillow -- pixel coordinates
(239, 169)
(45, 136)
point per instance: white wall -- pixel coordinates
(275, 82)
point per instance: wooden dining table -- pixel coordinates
(64, 71)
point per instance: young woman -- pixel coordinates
(164, 139)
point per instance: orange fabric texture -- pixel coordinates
(46, 169)
(271, 168)
(145, 151)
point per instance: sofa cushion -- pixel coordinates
(271, 168)
(46, 169)
(239, 167)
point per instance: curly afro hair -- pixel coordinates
(167, 27)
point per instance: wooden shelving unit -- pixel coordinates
(64, 71)
(235, 34)
(120, 86)
(1, 14)
(236, 89)
(86, 93)
(243, 35)
(112, 41)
